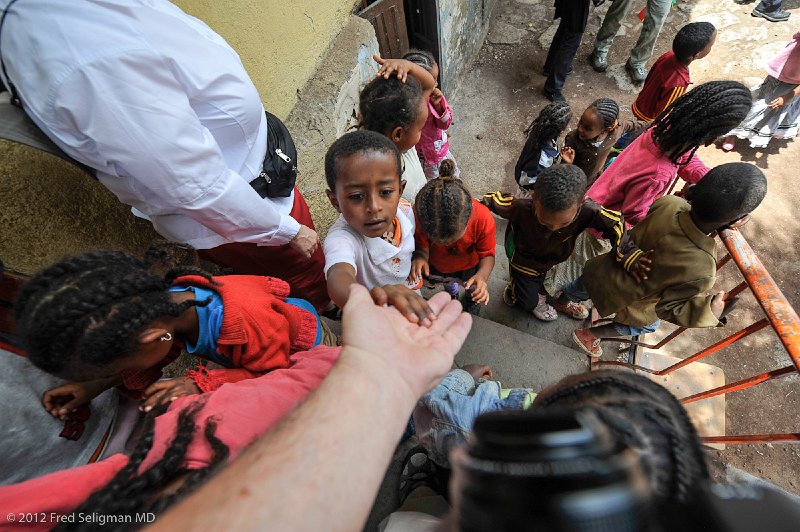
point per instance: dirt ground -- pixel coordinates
(501, 94)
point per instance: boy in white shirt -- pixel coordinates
(372, 241)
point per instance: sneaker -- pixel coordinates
(418, 470)
(508, 297)
(599, 60)
(778, 15)
(572, 309)
(637, 73)
(588, 342)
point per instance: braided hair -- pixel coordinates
(646, 418)
(422, 58)
(700, 116)
(607, 111)
(552, 120)
(357, 142)
(81, 315)
(444, 205)
(385, 104)
(130, 493)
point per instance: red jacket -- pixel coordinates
(243, 411)
(259, 331)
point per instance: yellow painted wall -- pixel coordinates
(281, 42)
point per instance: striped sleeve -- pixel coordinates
(499, 203)
(612, 225)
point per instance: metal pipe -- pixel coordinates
(740, 385)
(792, 437)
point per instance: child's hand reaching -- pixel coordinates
(62, 400)
(167, 390)
(481, 293)
(721, 305)
(397, 67)
(567, 155)
(436, 100)
(641, 266)
(419, 268)
(409, 303)
(780, 101)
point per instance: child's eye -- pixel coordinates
(356, 197)
(387, 192)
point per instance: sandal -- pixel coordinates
(572, 309)
(588, 342)
(544, 311)
(418, 470)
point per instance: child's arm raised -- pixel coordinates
(410, 304)
(499, 203)
(402, 68)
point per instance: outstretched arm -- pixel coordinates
(329, 456)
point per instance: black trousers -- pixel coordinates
(559, 57)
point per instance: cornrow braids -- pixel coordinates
(607, 110)
(700, 116)
(422, 58)
(444, 205)
(385, 104)
(560, 186)
(361, 141)
(81, 315)
(645, 417)
(130, 492)
(552, 120)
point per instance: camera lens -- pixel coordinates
(546, 470)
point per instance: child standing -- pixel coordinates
(567, 39)
(433, 146)
(455, 234)
(541, 147)
(775, 108)
(669, 75)
(597, 132)
(678, 232)
(395, 104)
(103, 319)
(372, 241)
(543, 232)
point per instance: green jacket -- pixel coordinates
(683, 269)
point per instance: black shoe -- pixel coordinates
(779, 15)
(742, 2)
(554, 97)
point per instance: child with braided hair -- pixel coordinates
(395, 104)
(103, 318)
(541, 147)
(598, 130)
(433, 146)
(455, 234)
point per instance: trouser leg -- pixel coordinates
(655, 15)
(611, 23)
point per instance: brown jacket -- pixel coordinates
(535, 249)
(683, 268)
(591, 159)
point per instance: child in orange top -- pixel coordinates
(455, 234)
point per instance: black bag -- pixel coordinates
(279, 172)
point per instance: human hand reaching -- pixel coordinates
(418, 356)
(567, 155)
(305, 241)
(167, 390)
(638, 270)
(481, 293)
(62, 400)
(419, 268)
(393, 67)
(780, 101)
(410, 304)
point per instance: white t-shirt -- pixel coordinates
(376, 261)
(413, 174)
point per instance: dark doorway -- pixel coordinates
(389, 20)
(423, 26)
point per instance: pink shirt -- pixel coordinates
(640, 175)
(786, 65)
(244, 410)
(433, 144)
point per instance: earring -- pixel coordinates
(166, 338)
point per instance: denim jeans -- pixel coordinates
(444, 416)
(655, 15)
(576, 291)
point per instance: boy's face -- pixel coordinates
(556, 220)
(368, 189)
(705, 51)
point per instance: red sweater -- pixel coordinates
(259, 331)
(478, 242)
(665, 83)
(243, 412)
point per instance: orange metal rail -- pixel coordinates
(778, 313)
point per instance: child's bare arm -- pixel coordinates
(340, 276)
(62, 400)
(402, 68)
(419, 265)
(481, 293)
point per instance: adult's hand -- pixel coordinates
(305, 241)
(415, 355)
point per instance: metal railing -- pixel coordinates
(777, 312)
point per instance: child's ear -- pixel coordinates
(152, 334)
(688, 193)
(332, 198)
(402, 186)
(396, 134)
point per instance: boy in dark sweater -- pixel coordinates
(684, 260)
(542, 231)
(669, 75)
